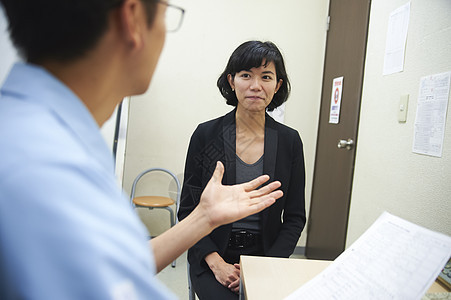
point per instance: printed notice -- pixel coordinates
(395, 45)
(393, 259)
(335, 102)
(430, 119)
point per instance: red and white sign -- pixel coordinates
(335, 102)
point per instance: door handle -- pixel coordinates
(348, 144)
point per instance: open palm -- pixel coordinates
(225, 204)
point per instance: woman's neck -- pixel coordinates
(250, 135)
(247, 121)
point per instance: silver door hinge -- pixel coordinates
(328, 23)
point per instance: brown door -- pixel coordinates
(334, 166)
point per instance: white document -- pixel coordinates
(395, 45)
(430, 119)
(393, 259)
(335, 100)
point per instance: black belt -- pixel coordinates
(243, 239)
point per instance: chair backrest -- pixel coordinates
(177, 182)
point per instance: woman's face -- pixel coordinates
(256, 87)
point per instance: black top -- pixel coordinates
(281, 224)
(244, 173)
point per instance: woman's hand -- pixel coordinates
(235, 286)
(226, 274)
(225, 204)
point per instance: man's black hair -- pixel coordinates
(60, 30)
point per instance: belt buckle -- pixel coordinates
(241, 239)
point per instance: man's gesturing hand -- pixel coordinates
(226, 204)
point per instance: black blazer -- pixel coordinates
(281, 223)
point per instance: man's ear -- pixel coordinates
(131, 21)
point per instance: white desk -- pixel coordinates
(276, 278)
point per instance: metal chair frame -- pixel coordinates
(191, 292)
(173, 220)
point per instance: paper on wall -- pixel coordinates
(395, 45)
(430, 120)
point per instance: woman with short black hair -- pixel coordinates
(249, 143)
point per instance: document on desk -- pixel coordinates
(393, 259)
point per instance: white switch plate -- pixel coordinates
(403, 105)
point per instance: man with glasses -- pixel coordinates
(66, 230)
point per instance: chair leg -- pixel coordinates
(172, 225)
(191, 293)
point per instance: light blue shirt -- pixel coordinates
(66, 229)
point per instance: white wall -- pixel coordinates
(388, 176)
(183, 92)
(8, 55)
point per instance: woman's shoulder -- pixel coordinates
(216, 123)
(282, 128)
(212, 122)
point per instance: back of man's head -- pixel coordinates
(56, 29)
(61, 30)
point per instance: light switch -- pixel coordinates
(403, 104)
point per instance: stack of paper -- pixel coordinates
(393, 259)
